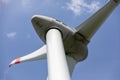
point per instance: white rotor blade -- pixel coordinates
(71, 64)
(36, 55)
(92, 24)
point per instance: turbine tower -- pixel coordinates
(64, 47)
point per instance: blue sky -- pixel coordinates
(18, 38)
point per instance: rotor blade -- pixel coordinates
(36, 55)
(92, 24)
(71, 63)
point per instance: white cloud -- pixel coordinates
(80, 6)
(11, 35)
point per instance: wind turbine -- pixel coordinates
(64, 47)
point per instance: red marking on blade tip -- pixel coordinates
(17, 61)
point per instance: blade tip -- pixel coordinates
(16, 61)
(10, 65)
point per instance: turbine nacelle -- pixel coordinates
(74, 43)
(43, 23)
